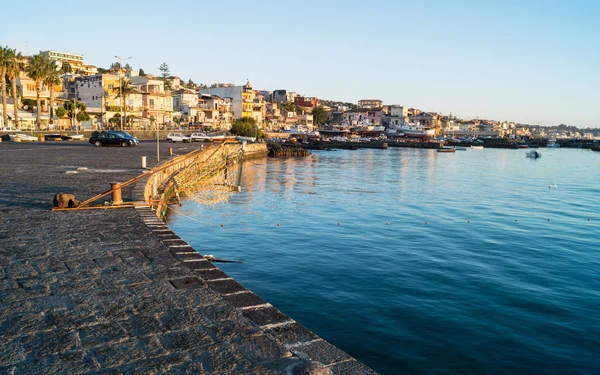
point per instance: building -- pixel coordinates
(75, 61)
(309, 102)
(396, 116)
(363, 117)
(370, 103)
(157, 102)
(283, 96)
(306, 121)
(268, 95)
(26, 88)
(242, 98)
(100, 94)
(430, 119)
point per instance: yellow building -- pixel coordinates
(247, 100)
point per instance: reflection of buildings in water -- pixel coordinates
(254, 179)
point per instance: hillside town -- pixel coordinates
(59, 91)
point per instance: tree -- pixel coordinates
(75, 109)
(115, 66)
(52, 79)
(141, 73)
(38, 68)
(102, 70)
(4, 62)
(61, 112)
(123, 92)
(320, 115)
(165, 73)
(288, 106)
(128, 67)
(246, 127)
(15, 67)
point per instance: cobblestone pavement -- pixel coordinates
(102, 291)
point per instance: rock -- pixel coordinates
(62, 200)
(309, 368)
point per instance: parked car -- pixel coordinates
(125, 134)
(200, 137)
(178, 137)
(112, 138)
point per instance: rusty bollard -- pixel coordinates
(170, 151)
(117, 199)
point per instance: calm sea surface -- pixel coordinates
(507, 293)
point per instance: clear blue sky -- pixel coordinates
(525, 61)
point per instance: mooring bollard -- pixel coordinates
(170, 151)
(143, 162)
(117, 200)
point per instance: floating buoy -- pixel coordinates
(589, 219)
(388, 223)
(426, 222)
(468, 221)
(548, 219)
(222, 225)
(516, 220)
(278, 225)
(338, 223)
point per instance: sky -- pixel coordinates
(534, 62)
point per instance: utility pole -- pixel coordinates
(121, 86)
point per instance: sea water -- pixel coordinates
(413, 261)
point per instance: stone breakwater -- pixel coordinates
(116, 290)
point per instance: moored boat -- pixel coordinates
(552, 144)
(533, 154)
(477, 147)
(446, 149)
(416, 131)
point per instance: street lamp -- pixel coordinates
(121, 85)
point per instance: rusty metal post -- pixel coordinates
(143, 162)
(170, 151)
(117, 199)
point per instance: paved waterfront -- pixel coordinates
(97, 290)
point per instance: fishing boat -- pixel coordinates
(416, 131)
(552, 144)
(533, 154)
(446, 149)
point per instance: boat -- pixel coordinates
(533, 154)
(22, 137)
(460, 148)
(73, 137)
(446, 149)
(416, 130)
(552, 144)
(477, 147)
(523, 146)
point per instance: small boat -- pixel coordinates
(446, 149)
(72, 137)
(460, 148)
(533, 154)
(523, 146)
(552, 144)
(477, 147)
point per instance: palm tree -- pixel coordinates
(15, 67)
(123, 92)
(52, 79)
(4, 58)
(37, 70)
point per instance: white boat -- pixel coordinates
(533, 154)
(416, 130)
(460, 148)
(22, 137)
(552, 144)
(247, 139)
(477, 147)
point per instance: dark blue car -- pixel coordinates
(113, 138)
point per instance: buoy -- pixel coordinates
(468, 221)
(222, 225)
(388, 223)
(588, 219)
(426, 222)
(548, 219)
(516, 220)
(338, 223)
(278, 225)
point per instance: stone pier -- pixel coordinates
(116, 291)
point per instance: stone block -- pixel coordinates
(351, 368)
(225, 286)
(244, 299)
(265, 315)
(182, 341)
(292, 333)
(320, 351)
(101, 334)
